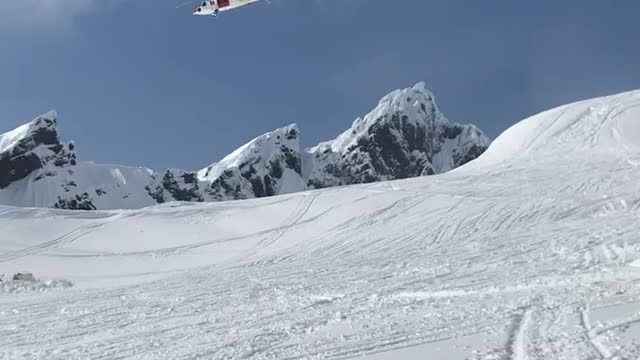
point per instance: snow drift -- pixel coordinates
(604, 127)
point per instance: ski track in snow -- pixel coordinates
(65, 239)
(526, 260)
(454, 268)
(602, 350)
(518, 345)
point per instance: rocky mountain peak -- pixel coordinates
(406, 135)
(268, 165)
(33, 146)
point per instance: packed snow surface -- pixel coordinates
(530, 252)
(121, 183)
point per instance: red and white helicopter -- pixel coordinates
(213, 7)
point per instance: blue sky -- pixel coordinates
(145, 83)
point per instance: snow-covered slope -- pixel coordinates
(605, 127)
(404, 136)
(85, 186)
(529, 252)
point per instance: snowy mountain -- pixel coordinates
(268, 165)
(530, 251)
(31, 147)
(38, 170)
(404, 136)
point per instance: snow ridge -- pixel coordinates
(603, 126)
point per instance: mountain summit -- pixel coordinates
(268, 165)
(31, 147)
(405, 136)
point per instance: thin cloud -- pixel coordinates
(43, 14)
(45, 8)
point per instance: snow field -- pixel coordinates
(518, 255)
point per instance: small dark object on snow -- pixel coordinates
(23, 277)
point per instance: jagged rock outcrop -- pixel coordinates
(404, 136)
(268, 165)
(176, 185)
(32, 146)
(76, 202)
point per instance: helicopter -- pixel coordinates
(213, 7)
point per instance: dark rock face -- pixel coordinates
(156, 193)
(231, 184)
(38, 146)
(182, 186)
(176, 185)
(13, 169)
(261, 167)
(464, 156)
(405, 136)
(77, 202)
